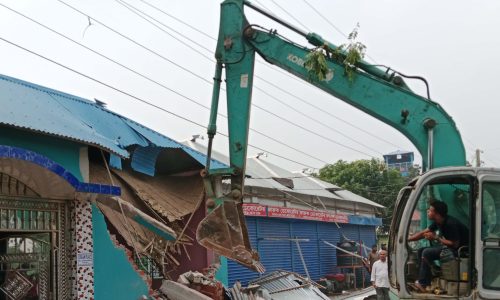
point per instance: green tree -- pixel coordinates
(370, 179)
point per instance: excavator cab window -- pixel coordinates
(490, 234)
(450, 267)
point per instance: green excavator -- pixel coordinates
(472, 194)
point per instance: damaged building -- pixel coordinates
(294, 218)
(92, 204)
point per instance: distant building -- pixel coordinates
(400, 160)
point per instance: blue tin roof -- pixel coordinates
(33, 107)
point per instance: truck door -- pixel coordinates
(488, 245)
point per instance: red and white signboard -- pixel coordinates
(293, 213)
(254, 210)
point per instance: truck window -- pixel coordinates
(490, 230)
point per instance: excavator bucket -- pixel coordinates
(225, 232)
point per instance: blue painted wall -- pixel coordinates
(114, 277)
(222, 273)
(65, 153)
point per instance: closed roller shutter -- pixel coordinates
(310, 250)
(367, 236)
(320, 258)
(274, 254)
(327, 254)
(350, 231)
(237, 271)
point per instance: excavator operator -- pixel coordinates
(452, 235)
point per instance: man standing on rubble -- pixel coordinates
(380, 276)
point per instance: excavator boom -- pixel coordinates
(378, 92)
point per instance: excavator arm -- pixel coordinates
(380, 93)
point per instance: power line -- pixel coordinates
(311, 131)
(317, 121)
(330, 114)
(276, 86)
(332, 25)
(324, 18)
(138, 98)
(140, 13)
(200, 77)
(291, 16)
(494, 162)
(135, 42)
(179, 20)
(214, 39)
(162, 85)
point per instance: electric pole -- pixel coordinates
(478, 157)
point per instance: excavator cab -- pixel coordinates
(473, 198)
(450, 272)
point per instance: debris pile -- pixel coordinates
(278, 285)
(204, 283)
(150, 215)
(172, 290)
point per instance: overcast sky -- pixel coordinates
(453, 44)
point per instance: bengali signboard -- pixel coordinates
(254, 210)
(85, 259)
(293, 213)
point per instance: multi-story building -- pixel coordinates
(400, 160)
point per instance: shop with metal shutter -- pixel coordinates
(276, 241)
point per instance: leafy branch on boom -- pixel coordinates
(349, 54)
(316, 64)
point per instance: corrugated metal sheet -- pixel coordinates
(328, 255)
(310, 249)
(368, 237)
(275, 255)
(40, 109)
(163, 141)
(144, 236)
(345, 194)
(289, 286)
(144, 159)
(260, 174)
(170, 196)
(350, 231)
(320, 258)
(115, 161)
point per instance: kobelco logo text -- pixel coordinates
(296, 60)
